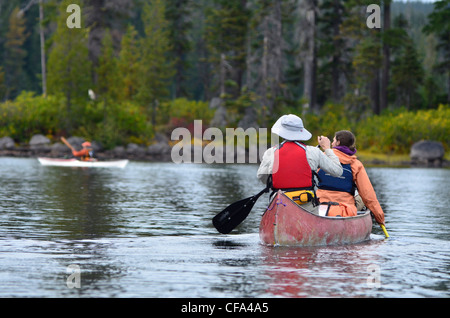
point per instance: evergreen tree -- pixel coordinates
(385, 72)
(178, 16)
(397, 38)
(155, 68)
(69, 68)
(2, 83)
(107, 71)
(102, 16)
(366, 64)
(226, 35)
(6, 8)
(198, 73)
(14, 53)
(332, 51)
(430, 92)
(439, 24)
(398, 34)
(128, 65)
(272, 59)
(366, 45)
(407, 75)
(310, 56)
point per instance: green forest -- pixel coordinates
(134, 69)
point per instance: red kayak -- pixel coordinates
(287, 223)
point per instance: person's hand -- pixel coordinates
(324, 142)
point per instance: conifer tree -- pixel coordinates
(439, 24)
(178, 16)
(226, 35)
(155, 70)
(2, 83)
(102, 16)
(128, 65)
(332, 51)
(386, 55)
(271, 72)
(14, 53)
(367, 63)
(366, 45)
(407, 75)
(310, 58)
(69, 68)
(107, 70)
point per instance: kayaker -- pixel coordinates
(342, 190)
(291, 165)
(86, 153)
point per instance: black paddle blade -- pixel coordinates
(233, 215)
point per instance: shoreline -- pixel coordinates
(161, 150)
(136, 154)
(162, 153)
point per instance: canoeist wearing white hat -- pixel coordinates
(291, 165)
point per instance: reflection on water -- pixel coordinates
(145, 231)
(320, 272)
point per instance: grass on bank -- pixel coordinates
(367, 157)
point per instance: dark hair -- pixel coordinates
(346, 138)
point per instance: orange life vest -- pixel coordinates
(83, 153)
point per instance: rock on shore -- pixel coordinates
(428, 153)
(6, 143)
(41, 146)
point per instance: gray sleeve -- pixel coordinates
(327, 160)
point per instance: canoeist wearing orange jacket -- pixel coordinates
(85, 153)
(337, 190)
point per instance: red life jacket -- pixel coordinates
(291, 168)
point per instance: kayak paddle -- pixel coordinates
(67, 143)
(235, 213)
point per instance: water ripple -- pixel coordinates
(145, 231)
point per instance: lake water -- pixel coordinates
(145, 231)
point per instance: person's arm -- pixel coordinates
(266, 166)
(81, 153)
(327, 160)
(367, 193)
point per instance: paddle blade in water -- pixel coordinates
(233, 215)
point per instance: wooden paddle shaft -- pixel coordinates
(67, 143)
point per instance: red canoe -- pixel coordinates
(286, 223)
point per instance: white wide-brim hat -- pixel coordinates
(290, 127)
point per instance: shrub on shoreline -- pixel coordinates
(115, 123)
(392, 132)
(396, 132)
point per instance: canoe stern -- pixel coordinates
(286, 223)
